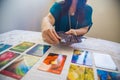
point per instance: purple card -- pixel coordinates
(69, 39)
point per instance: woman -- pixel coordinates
(71, 16)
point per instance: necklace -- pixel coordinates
(73, 14)
(71, 22)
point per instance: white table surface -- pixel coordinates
(90, 44)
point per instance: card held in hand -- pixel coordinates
(69, 39)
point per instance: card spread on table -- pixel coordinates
(82, 57)
(104, 61)
(22, 47)
(4, 47)
(53, 63)
(80, 73)
(6, 57)
(39, 50)
(107, 75)
(20, 67)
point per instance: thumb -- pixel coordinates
(68, 32)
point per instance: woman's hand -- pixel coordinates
(50, 36)
(72, 32)
(78, 32)
(48, 32)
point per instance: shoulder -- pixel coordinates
(56, 5)
(88, 8)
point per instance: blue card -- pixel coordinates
(4, 47)
(82, 57)
(107, 75)
(39, 50)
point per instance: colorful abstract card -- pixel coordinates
(4, 47)
(106, 75)
(20, 67)
(53, 63)
(80, 73)
(22, 47)
(39, 50)
(82, 57)
(6, 57)
(104, 61)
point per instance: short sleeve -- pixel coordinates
(55, 10)
(88, 17)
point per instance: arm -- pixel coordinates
(48, 32)
(47, 22)
(88, 21)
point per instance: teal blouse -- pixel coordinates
(63, 23)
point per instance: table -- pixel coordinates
(90, 44)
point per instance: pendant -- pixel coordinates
(72, 14)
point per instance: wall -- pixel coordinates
(22, 14)
(106, 19)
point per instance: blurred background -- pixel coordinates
(28, 15)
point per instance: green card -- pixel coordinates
(22, 47)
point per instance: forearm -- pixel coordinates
(46, 24)
(81, 31)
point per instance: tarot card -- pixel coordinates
(22, 47)
(53, 63)
(6, 57)
(39, 50)
(104, 61)
(82, 57)
(69, 39)
(20, 67)
(80, 73)
(4, 47)
(106, 75)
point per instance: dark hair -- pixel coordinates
(79, 14)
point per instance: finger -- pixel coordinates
(68, 32)
(48, 40)
(46, 37)
(56, 34)
(53, 37)
(72, 31)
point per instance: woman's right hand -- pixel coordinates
(50, 36)
(48, 32)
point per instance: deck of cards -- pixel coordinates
(69, 39)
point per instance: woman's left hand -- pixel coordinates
(72, 32)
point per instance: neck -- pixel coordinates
(73, 7)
